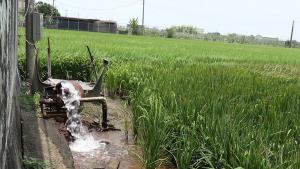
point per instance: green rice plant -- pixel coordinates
(183, 149)
(203, 104)
(154, 132)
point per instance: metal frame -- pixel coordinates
(55, 107)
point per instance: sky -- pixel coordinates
(271, 18)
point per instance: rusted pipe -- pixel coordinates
(102, 100)
(91, 99)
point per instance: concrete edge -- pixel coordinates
(51, 131)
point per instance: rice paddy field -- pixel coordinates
(197, 104)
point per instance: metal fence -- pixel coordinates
(81, 25)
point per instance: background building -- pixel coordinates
(21, 9)
(21, 4)
(80, 24)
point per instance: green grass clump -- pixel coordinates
(197, 104)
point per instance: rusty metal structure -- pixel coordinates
(51, 103)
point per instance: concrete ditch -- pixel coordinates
(44, 140)
(41, 139)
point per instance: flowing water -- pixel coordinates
(96, 149)
(83, 141)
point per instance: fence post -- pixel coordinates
(68, 24)
(49, 59)
(98, 26)
(78, 25)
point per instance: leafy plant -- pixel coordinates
(36, 99)
(33, 163)
(46, 9)
(170, 32)
(134, 26)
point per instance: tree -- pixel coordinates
(48, 12)
(170, 32)
(287, 44)
(134, 26)
(214, 36)
(185, 29)
(46, 9)
(155, 32)
(232, 38)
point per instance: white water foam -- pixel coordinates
(71, 98)
(84, 142)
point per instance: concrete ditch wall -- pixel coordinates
(10, 127)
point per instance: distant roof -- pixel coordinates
(84, 19)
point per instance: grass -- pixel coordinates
(198, 104)
(33, 163)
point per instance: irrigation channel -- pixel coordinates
(92, 148)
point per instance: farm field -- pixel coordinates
(198, 104)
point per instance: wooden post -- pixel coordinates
(49, 59)
(93, 64)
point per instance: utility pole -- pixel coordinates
(30, 48)
(291, 39)
(53, 3)
(143, 17)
